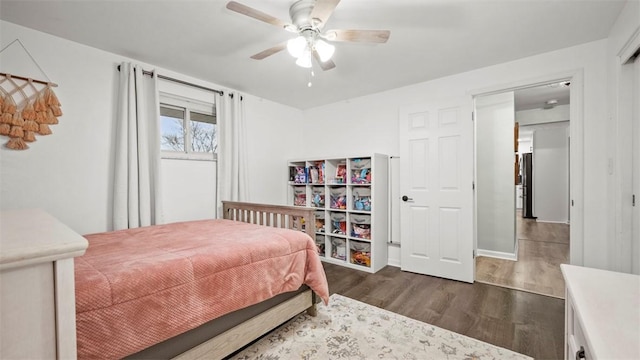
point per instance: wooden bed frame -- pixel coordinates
(281, 216)
(229, 341)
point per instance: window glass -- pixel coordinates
(203, 132)
(172, 129)
(188, 128)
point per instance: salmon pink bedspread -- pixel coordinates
(138, 287)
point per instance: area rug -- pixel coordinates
(349, 329)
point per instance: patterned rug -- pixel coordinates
(349, 329)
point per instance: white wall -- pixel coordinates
(551, 171)
(370, 123)
(495, 171)
(550, 160)
(69, 173)
(539, 116)
(273, 138)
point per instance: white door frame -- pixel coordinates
(623, 243)
(576, 146)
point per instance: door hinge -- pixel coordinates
(473, 116)
(633, 200)
(474, 253)
(473, 185)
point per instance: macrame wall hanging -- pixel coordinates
(27, 106)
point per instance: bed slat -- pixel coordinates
(281, 216)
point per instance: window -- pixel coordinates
(188, 129)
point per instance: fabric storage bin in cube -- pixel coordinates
(298, 174)
(320, 221)
(360, 253)
(338, 248)
(361, 171)
(316, 173)
(360, 226)
(320, 245)
(317, 196)
(338, 197)
(300, 196)
(338, 223)
(362, 198)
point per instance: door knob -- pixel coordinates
(406, 198)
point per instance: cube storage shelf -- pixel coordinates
(352, 198)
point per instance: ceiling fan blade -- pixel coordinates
(323, 10)
(371, 36)
(263, 54)
(256, 14)
(327, 65)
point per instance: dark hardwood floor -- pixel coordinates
(524, 322)
(542, 247)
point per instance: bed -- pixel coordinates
(197, 289)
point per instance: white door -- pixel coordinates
(495, 174)
(635, 231)
(436, 174)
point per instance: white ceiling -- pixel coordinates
(429, 39)
(536, 97)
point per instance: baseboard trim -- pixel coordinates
(499, 255)
(552, 221)
(394, 262)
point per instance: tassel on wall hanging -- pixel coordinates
(27, 106)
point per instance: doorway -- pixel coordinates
(529, 240)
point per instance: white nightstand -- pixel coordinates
(602, 316)
(37, 286)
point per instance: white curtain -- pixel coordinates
(232, 163)
(136, 193)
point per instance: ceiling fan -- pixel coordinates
(308, 18)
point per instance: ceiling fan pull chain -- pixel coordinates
(311, 75)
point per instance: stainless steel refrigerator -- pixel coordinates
(527, 186)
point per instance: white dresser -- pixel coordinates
(37, 286)
(602, 315)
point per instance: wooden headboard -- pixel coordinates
(281, 216)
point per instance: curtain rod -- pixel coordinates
(150, 73)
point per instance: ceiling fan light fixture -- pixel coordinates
(304, 60)
(296, 46)
(325, 50)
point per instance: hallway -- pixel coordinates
(542, 247)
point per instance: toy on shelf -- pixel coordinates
(298, 174)
(317, 199)
(299, 196)
(316, 172)
(338, 197)
(320, 221)
(361, 226)
(338, 223)
(298, 223)
(361, 258)
(320, 244)
(341, 174)
(362, 199)
(361, 171)
(361, 231)
(361, 177)
(360, 253)
(338, 249)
